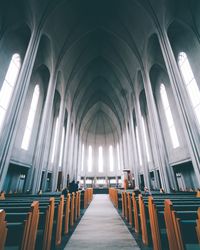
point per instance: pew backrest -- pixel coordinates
(3, 229)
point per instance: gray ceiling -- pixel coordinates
(98, 46)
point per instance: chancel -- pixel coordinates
(99, 124)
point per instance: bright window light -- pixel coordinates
(62, 147)
(54, 141)
(145, 140)
(169, 118)
(100, 159)
(90, 159)
(190, 83)
(82, 157)
(118, 156)
(31, 118)
(88, 181)
(8, 86)
(111, 158)
(101, 182)
(112, 181)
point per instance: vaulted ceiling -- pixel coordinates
(98, 46)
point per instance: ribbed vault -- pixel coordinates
(98, 48)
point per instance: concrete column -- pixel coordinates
(79, 157)
(134, 151)
(161, 159)
(66, 151)
(75, 157)
(130, 160)
(142, 145)
(125, 150)
(17, 103)
(47, 151)
(185, 111)
(39, 153)
(58, 145)
(121, 155)
(71, 152)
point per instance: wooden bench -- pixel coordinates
(113, 194)
(3, 229)
(49, 218)
(26, 228)
(67, 214)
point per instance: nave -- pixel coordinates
(95, 95)
(100, 228)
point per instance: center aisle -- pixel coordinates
(101, 228)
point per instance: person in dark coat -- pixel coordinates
(65, 192)
(72, 187)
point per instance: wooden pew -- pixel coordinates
(181, 226)
(47, 236)
(72, 209)
(59, 221)
(3, 229)
(48, 219)
(23, 227)
(113, 194)
(76, 209)
(85, 198)
(155, 230)
(151, 215)
(2, 196)
(88, 196)
(143, 221)
(54, 221)
(130, 209)
(123, 204)
(67, 214)
(186, 212)
(79, 204)
(135, 212)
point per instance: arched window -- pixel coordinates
(100, 159)
(145, 140)
(82, 157)
(54, 141)
(118, 156)
(90, 159)
(62, 147)
(111, 158)
(31, 118)
(138, 146)
(8, 86)
(168, 114)
(190, 83)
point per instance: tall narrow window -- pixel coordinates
(168, 114)
(138, 146)
(90, 159)
(145, 140)
(62, 147)
(82, 157)
(100, 159)
(31, 118)
(111, 158)
(8, 86)
(54, 141)
(190, 83)
(118, 157)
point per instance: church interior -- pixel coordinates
(99, 124)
